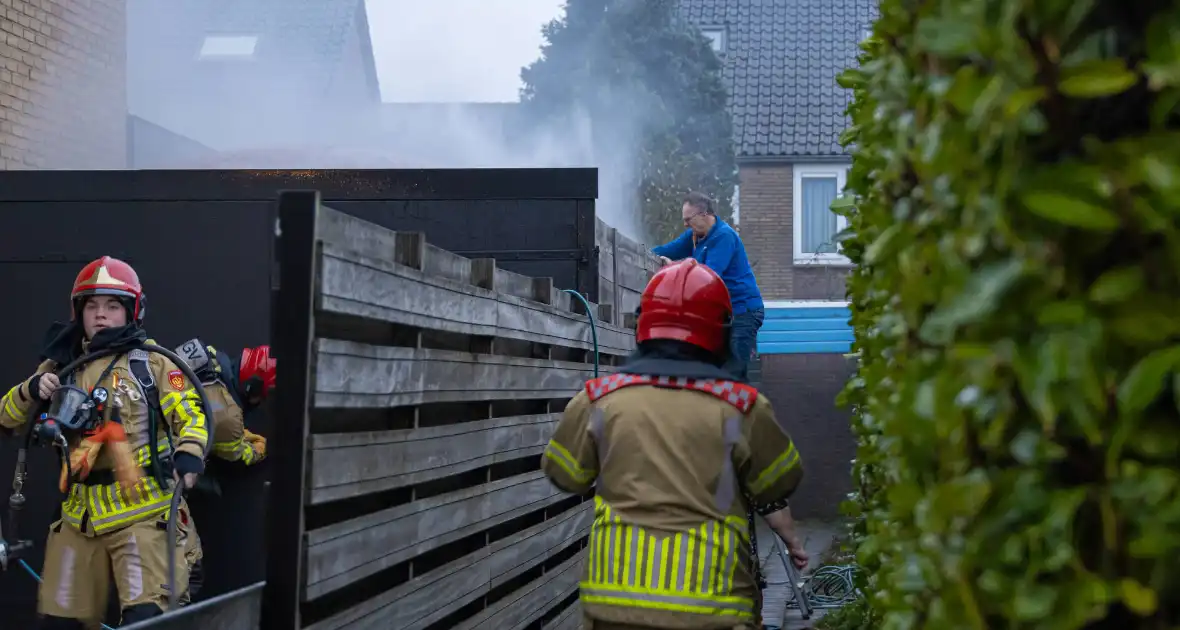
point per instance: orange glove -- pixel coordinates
(256, 442)
(83, 456)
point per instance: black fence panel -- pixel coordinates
(202, 242)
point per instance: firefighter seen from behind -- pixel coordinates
(678, 454)
(151, 434)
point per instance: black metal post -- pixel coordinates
(291, 342)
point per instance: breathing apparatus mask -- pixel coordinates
(72, 412)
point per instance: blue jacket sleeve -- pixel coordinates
(721, 253)
(678, 249)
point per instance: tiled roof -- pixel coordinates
(780, 61)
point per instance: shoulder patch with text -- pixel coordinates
(176, 379)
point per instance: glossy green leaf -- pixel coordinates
(850, 78)
(1117, 284)
(1069, 210)
(1139, 598)
(978, 298)
(1145, 381)
(946, 36)
(1097, 78)
(883, 245)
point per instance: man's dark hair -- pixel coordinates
(700, 201)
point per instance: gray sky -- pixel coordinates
(456, 50)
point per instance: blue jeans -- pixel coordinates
(743, 339)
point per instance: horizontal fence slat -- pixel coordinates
(417, 603)
(357, 375)
(531, 601)
(346, 465)
(337, 229)
(371, 288)
(569, 619)
(235, 610)
(340, 554)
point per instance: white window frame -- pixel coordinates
(801, 172)
(228, 46)
(720, 42)
(737, 204)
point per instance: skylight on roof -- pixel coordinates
(229, 46)
(716, 36)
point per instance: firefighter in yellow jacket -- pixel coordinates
(677, 454)
(115, 521)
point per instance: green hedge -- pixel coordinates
(1017, 311)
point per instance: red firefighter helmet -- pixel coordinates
(686, 302)
(109, 276)
(256, 363)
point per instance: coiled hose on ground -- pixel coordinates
(178, 491)
(829, 586)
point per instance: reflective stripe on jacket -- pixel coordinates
(105, 508)
(687, 572)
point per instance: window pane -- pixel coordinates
(819, 222)
(717, 37)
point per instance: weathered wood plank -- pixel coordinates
(352, 375)
(361, 286)
(561, 300)
(634, 279)
(417, 604)
(346, 465)
(630, 320)
(629, 301)
(569, 619)
(531, 601)
(235, 610)
(615, 296)
(486, 275)
(514, 284)
(634, 263)
(346, 232)
(340, 554)
(603, 235)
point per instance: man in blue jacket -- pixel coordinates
(717, 245)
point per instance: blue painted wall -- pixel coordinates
(804, 327)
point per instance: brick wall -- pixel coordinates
(803, 389)
(765, 200)
(63, 100)
(766, 195)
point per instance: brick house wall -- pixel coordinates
(767, 224)
(63, 102)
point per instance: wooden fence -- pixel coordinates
(624, 267)
(427, 386)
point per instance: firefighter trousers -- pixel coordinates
(78, 568)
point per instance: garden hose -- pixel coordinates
(593, 325)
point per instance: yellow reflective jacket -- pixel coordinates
(96, 509)
(672, 466)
